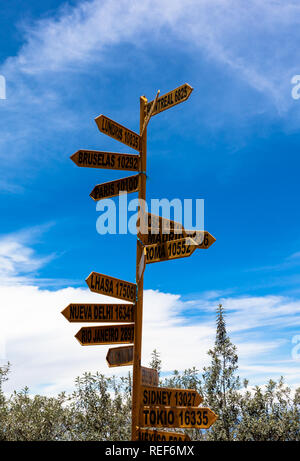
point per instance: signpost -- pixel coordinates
(110, 286)
(99, 313)
(118, 132)
(192, 417)
(142, 264)
(120, 356)
(159, 239)
(107, 160)
(113, 334)
(114, 188)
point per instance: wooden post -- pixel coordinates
(138, 324)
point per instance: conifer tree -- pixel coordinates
(155, 362)
(221, 383)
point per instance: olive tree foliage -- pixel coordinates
(267, 413)
(98, 409)
(100, 406)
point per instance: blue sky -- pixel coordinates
(234, 143)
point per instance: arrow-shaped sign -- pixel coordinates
(194, 417)
(149, 377)
(203, 239)
(170, 250)
(120, 356)
(110, 286)
(171, 99)
(75, 313)
(107, 160)
(152, 396)
(118, 132)
(114, 188)
(113, 334)
(150, 435)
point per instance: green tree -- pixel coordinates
(221, 383)
(269, 414)
(100, 407)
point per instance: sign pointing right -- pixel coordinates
(181, 248)
(194, 417)
(170, 397)
(174, 97)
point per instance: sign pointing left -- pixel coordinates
(114, 188)
(120, 356)
(110, 286)
(113, 334)
(118, 132)
(107, 160)
(99, 313)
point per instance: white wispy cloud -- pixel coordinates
(246, 37)
(246, 40)
(34, 332)
(18, 260)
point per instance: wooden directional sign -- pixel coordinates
(99, 312)
(170, 250)
(113, 334)
(149, 377)
(193, 417)
(118, 132)
(152, 396)
(203, 239)
(150, 435)
(114, 188)
(120, 356)
(107, 160)
(110, 286)
(174, 97)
